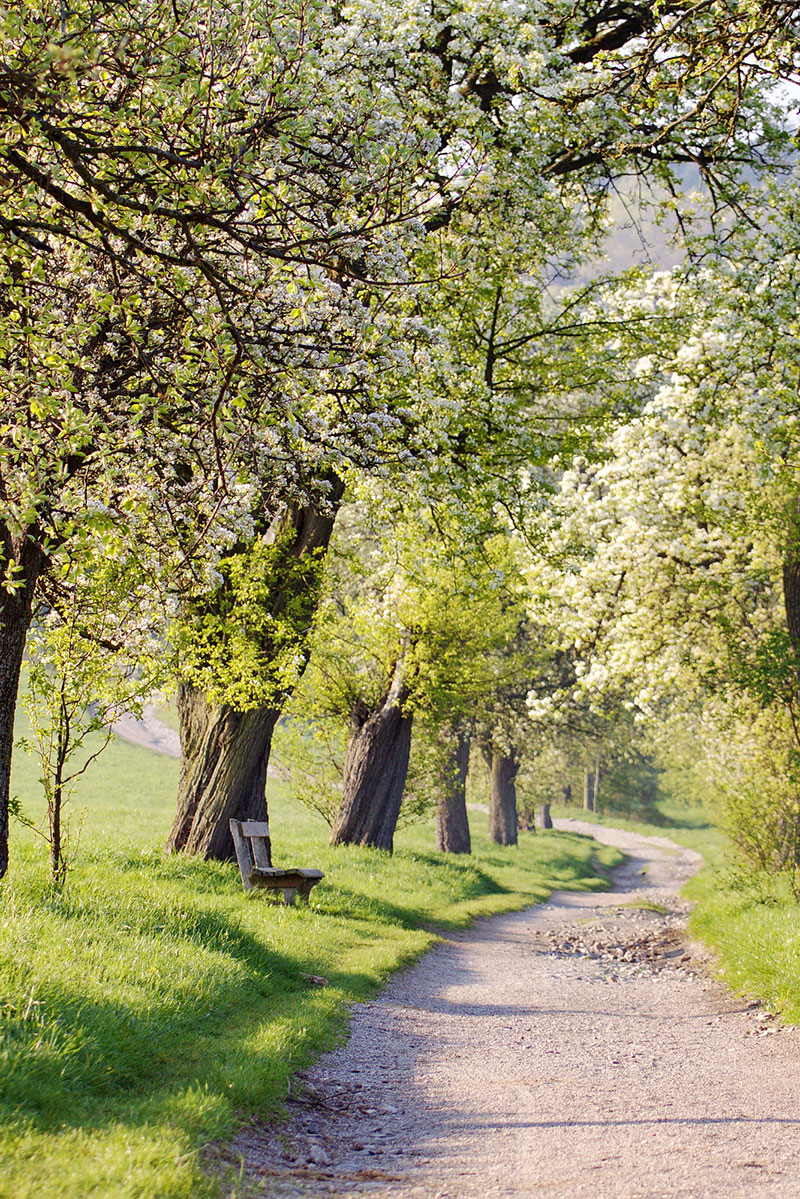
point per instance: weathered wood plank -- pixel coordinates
(244, 854)
(298, 880)
(254, 828)
(261, 850)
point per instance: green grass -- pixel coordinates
(127, 796)
(167, 712)
(152, 1005)
(755, 930)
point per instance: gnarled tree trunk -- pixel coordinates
(452, 822)
(224, 757)
(225, 752)
(375, 771)
(503, 769)
(16, 609)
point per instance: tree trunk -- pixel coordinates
(791, 584)
(596, 788)
(503, 769)
(16, 610)
(452, 822)
(375, 771)
(224, 757)
(224, 752)
(588, 790)
(567, 795)
(12, 647)
(545, 819)
(58, 861)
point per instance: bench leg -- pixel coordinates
(289, 895)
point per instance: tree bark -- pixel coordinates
(224, 757)
(503, 769)
(791, 584)
(12, 648)
(588, 790)
(375, 771)
(452, 821)
(545, 819)
(16, 612)
(225, 752)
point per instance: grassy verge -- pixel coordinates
(152, 1004)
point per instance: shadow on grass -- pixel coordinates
(156, 993)
(690, 819)
(341, 901)
(71, 1058)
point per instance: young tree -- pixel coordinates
(92, 656)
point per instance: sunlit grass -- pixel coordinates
(753, 924)
(151, 1006)
(126, 796)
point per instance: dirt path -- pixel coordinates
(149, 732)
(571, 1049)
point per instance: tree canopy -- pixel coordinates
(255, 260)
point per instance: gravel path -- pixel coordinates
(575, 1048)
(149, 732)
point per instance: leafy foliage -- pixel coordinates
(91, 658)
(246, 644)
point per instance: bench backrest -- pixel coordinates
(252, 845)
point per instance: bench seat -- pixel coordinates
(295, 879)
(253, 853)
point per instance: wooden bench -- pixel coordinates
(253, 853)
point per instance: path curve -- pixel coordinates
(571, 1049)
(148, 732)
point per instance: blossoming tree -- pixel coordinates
(673, 570)
(196, 203)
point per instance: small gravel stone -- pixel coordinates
(317, 1155)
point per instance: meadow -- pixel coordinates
(150, 1007)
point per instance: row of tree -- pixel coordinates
(682, 583)
(259, 264)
